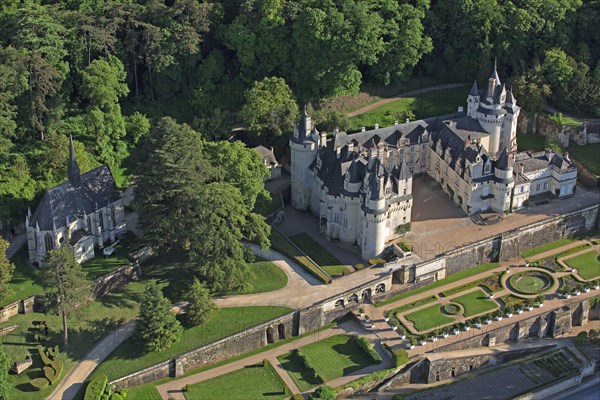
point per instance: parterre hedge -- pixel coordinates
(95, 389)
(367, 347)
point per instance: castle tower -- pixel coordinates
(491, 112)
(303, 152)
(510, 124)
(473, 101)
(374, 230)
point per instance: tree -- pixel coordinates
(323, 393)
(6, 269)
(200, 306)
(270, 110)
(4, 369)
(66, 287)
(137, 126)
(557, 68)
(157, 327)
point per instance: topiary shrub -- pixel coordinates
(367, 347)
(400, 356)
(359, 266)
(39, 383)
(45, 359)
(347, 271)
(57, 368)
(95, 389)
(581, 338)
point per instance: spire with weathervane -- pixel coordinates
(73, 171)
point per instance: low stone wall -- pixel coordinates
(24, 306)
(114, 279)
(551, 389)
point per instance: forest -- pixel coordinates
(107, 71)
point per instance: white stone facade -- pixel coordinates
(359, 185)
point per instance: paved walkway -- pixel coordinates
(407, 94)
(172, 389)
(70, 385)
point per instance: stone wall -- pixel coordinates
(114, 279)
(465, 257)
(24, 306)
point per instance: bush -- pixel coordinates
(95, 389)
(297, 396)
(359, 266)
(402, 229)
(399, 356)
(367, 347)
(45, 359)
(347, 271)
(323, 393)
(39, 383)
(581, 338)
(57, 366)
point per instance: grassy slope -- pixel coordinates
(475, 303)
(128, 357)
(253, 382)
(428, 318)
(587, 264)
(588, 155)
(547, 247)
(24, 282)
(314, 250)
(431, 104)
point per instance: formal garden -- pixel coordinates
(587, 264)
(333, 357)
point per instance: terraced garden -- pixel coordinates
(475, 303)
(587, 264)
(429, 318)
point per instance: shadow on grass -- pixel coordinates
(292, 363)
(355, 355)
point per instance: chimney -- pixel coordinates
(376, 126)
(395, 122)
(407, 120)
(362, 129)
(521, 168)
(323, 141)
(351, 146)
(548, 153)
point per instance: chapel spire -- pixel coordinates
(73, 170)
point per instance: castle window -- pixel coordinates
(545, 185)
(48, 242)
(101, 219)
(113, 215)
(336, 218)
(89, 224)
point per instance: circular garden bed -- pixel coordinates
(531, 282)
(452, 309)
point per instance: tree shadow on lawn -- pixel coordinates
(292, 363)
(174, 272)
(356, 355)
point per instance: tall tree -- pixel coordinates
(157, 327)
(66, 287)
(270, 110)
(200, 306)
(6, 269)
(4, 369)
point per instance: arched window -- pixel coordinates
(89, 225)
(113, 215)
(48, 242)
(101, 219)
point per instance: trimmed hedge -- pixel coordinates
(39, 383)
(306, 365)
(45, 359)
(367, 347)
(399, 356)
(95, 389)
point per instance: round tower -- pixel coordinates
(374, 233)
(303, 149)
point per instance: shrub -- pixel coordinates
(95, 389)
(581, 338)
(367, 347)
(116, 396)
(359, 266)
(45, 359)
(39, 383)
(297, 396)
(57, 366)
(399, 356)
(323, 393)
(347, 271)
(401, 229)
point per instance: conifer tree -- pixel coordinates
(200, 307)
(6, 269)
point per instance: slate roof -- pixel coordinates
(532, 162)
(96, 190)
(267, 155)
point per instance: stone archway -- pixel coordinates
(281, 331)
(353, 298)
(366, 295)
(380, 288)
(339, 303)
(270, 337)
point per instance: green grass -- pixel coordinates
(144, 392)
(414, 304)
(282, 245)
(428, 318)
(530, 142)
(129, 357)
(249, 383)
(547, 247)
(452, 278)
(475, 303)
(266, 277)
(24, 282)
(588, 156)
(266, 206)
(430, 104)
(318, 254)
(295, 369)
(587, 264)
(331, 358)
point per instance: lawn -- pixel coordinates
(429, 318)
(318, 254)
(281, 244)
(266, 277)
(531, 142)
(331, 358)
(24, 282)
(128, 357)
(93, 322)
(587, 264)
(452, 278)
(547, 247)
(252, 382)
(475, 303)
(587, 155)
(430, 104)
(144, 392)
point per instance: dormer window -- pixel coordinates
(487, 168)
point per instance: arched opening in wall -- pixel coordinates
(48, 242)
(437, 376)
(270, 338)
(366, 295)
(353, 298)
(452, 372)
(380, 288)
(281, 331)
(470, 367)
(339, 303)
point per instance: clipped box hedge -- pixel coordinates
(95, 389)
(39, 383)
(367, 347)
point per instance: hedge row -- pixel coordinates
(414, 304)
(95, 389)
(399, 356)
(306, 365)
(282, 244)
(367, 347)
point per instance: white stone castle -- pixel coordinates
(359, 185)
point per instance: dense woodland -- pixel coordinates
(107, 71)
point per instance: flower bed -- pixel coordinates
(531, 282)
(452, 309)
